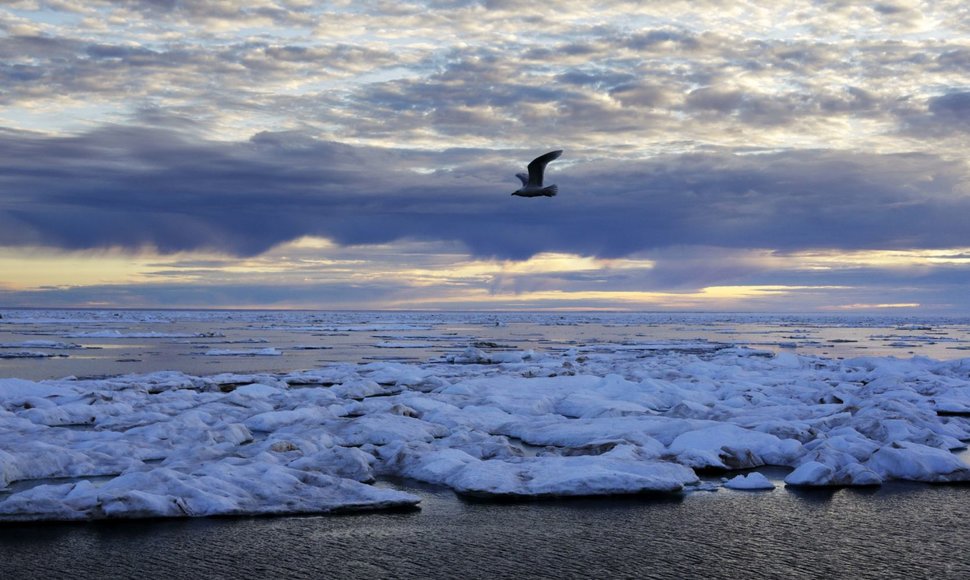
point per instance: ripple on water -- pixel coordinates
(899, 530)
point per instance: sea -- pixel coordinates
(898, 530)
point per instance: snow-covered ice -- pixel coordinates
(151, 334)
(51, 344)
(751, 481)
(599, 419)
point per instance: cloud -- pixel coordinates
(313, 273)
(455, 74)
(697, 134)
(952, 109)
(139, 187)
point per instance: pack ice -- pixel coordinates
(502, 424)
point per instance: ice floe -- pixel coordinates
(750, 481)
(51, 344)
(29, 354)
(620, 470)
(152, 334)
(269, 351)
(502, 424)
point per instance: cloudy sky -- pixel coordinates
(747, 156)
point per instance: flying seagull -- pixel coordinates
(532, 183)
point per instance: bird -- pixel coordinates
(532, 183)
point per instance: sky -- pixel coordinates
(718, 156)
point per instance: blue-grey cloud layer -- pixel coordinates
(140, 187)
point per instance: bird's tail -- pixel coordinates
(550, 191)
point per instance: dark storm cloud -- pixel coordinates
(134, 186)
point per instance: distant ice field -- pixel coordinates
(48, 344)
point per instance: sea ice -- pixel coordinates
(619, 471)
(751, 481)
(214, 489)
(51, 344)
(498, 424)
(29, 354)
(151, 334)
(728, 446)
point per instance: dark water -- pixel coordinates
(898, 531)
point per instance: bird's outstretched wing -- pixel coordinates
(523, 178)
(538, 166)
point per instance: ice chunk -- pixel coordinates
(51, 344)
(728, 446)
(915, 462)
(217, 489)
(386, 428)
(569, 476)
(273, 420)
(119, 334)
(257, 390)
(814, 473)
(752, 480)
(29, 354)
(344, 462)
(811, 473)
(14, 389)
(617, 472)
(472, 355)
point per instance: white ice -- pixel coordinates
(751, 481)
(51, 344)
(496, 424)
(151, 334)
